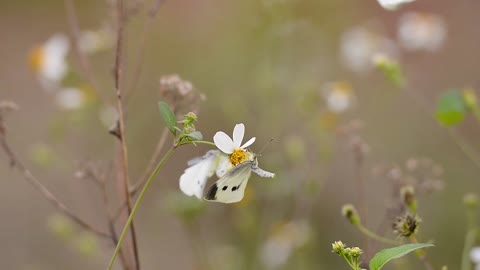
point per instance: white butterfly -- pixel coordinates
(230, 188)
(233, 165)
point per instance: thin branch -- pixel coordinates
(16, 163)
(82, 57)
(121, 120)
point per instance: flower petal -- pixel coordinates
(238, 133)
(247, 144)
(223, 142)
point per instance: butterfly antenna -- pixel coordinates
(264, 147)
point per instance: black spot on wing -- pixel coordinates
(225, 188)
(212, 193)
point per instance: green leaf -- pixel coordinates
(168, 116)
(195, 135)
(451, 108)
(386, 255)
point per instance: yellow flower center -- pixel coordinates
(37, 58)
(238, 156)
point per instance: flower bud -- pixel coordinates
(351, 214)
(338, 247)
(408, 197)
(470, 200)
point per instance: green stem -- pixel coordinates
(196, 142)
(374, 236)
(137, 205)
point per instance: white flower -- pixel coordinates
(419, 31)
(393, 4)
(359, 45)
(233, 148)
(338, 96)
(70, 98)
(475, 255)
(49, 59)
(227, 145)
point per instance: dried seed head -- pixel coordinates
(180, 94)
(406, 225)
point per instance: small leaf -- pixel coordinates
(451, 108)
(195, 135)
(386, 255)
(167, 116)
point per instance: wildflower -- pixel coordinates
(359, 45)
(406, 225)
(475, 257)
(70, 98)
(421, 31)
(49, 59)
(234, 148)
(393, 4)
(338, 96)
(338, 247)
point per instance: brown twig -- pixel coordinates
(121, 121)
(82, 57)
(152, 12)
(16, 163)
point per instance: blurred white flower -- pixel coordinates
(284, 240)
(339, 96)
(359, 45)
(420, 31)
(475, 255)
(108, 116)
(92, 41)
(49, 60)
(393, 4)
(70, 98)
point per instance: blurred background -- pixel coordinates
(301, 72)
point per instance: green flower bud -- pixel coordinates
(408, 197)
(338, 247)
(351, 214)
(470, 200)
(470, 99)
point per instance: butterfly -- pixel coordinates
(230, 188)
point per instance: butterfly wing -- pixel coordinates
(230, 188)
(192, 181)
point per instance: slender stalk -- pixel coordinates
(121, 121)
(422, 255)
(137, 205)
(376, 237)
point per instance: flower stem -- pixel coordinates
(137, 205)
(374, 236)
